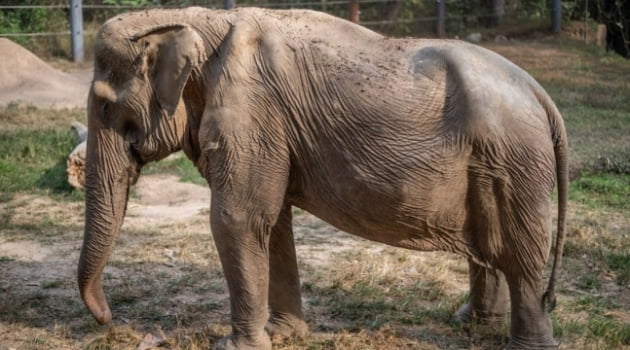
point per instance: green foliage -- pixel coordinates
(34, 20)
(131, 2)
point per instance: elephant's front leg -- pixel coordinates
(285, 300)
(242, 241)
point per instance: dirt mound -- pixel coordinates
(26, 78)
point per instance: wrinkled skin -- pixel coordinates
(421, 144)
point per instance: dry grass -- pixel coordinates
(367, 297)
(16, 116)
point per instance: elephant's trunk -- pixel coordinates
(108, 176)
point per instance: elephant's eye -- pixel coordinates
(104, 108)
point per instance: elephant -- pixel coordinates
(424, 144)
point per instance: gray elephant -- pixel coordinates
(420, 144)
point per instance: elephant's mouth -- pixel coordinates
(137, 162)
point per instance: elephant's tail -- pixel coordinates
(559, 135)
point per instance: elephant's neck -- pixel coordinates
(213, 29)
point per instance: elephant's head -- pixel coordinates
(135, 115)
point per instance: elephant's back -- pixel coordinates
(487, 97)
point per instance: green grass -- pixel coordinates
(608, 333)
(179, 166)
(603, 189)
(613, 332)
(620, 264)
(598, 137)
(591, 90)
(595, 104)
(35, 143)
(593, 263)
(35, 161)
(589, 282)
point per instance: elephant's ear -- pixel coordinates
(169, 55)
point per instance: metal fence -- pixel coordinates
(60, 27)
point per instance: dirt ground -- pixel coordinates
(158, 200)
(165, 244)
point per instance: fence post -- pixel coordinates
(441, 18)
(556, 15)
(76, 30)
(228, 4)
(353, 10)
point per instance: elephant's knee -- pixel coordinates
(234, 219)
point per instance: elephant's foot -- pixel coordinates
(233, 342)
(466, 315)
(529, 344)
(281, 327)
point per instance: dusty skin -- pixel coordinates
(421, 144)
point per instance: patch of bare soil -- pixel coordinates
(25, 78)
(42, 256)
(163, 200)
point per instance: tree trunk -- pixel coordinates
(498, 12)
(390, 14)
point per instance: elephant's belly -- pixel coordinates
(410, 215)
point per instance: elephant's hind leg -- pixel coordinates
(285, 301)
(523, 264)
(489, 296)
(531, 326)
(512, 218)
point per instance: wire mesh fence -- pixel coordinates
(44, 26)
